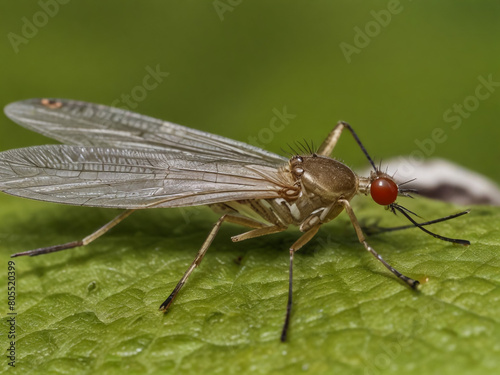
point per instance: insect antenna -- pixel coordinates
(405, 192)
(393, 229)
(407, 212)
(406, 182)
(401, 208)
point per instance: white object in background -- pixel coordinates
(444, 180)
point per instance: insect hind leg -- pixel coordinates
(85, 241)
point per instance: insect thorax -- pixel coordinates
(322, 182)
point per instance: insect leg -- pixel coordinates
(412, 283)
(258, 232)
(330, 142)
(305, 238)
(91, 237)
(378, 230)
(201, 253)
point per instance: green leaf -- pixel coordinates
(95, 309)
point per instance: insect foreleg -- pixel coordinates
(330, 142)
(305, 238)
(377, 230)
(361, 237)
(91, 237)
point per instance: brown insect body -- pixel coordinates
(323, 182)
(319, 181)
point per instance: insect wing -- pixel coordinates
(132, 179)
(86, 124)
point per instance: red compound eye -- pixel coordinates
(384, 191)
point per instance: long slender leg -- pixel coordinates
(378, 230)
(305, 238)
(361, 237)
(208, 241)
(91, 237)
(330, 142)
(258, 232)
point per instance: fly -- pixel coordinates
(119, 159)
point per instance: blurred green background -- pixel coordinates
(395, 70)
(230, 66)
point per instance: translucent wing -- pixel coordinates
(121, 178)
(86, 124)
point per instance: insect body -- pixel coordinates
(119, 159)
